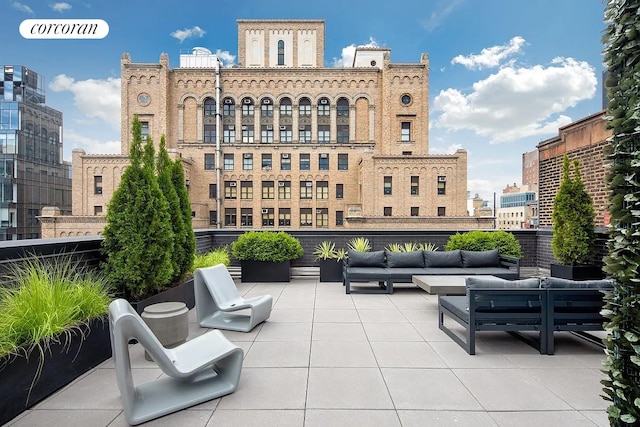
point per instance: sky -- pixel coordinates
(504, 74)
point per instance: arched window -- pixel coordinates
(266, 109)
(228, 107)
(209, 107)
(305, 107)
(323, 107)
(285, 107)
(343, 107)
(247, 107)
(280, 52)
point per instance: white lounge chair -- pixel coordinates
(199, 370)
(218, 301)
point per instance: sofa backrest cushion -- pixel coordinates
(480, 258)
(496, 282)
(442, 258)
(556, 282)
(366, 259)
(413, 259)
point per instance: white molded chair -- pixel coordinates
(218, 300)
(199, 370)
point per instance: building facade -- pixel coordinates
(280, 141)
(517, 208)
(33, 174)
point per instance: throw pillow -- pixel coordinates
(480, 258)
(366, 259)
(442, 259)
(405, 259)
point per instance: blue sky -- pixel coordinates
(505, 74)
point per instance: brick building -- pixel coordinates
(280, 141)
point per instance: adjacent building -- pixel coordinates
(280, 141)
(518, 208)
(32, 171)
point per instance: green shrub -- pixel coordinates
(478, 240)
(270, 246)
(211, 258)
(359, 244)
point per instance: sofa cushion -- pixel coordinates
(472, 259)
(368, 273)
(366, 259)
(496, 282)
(405, 259)
(442, 258)
(404, 274)
(501, 272)
(556, 282)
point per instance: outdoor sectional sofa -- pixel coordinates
(387, 267)
(544, 306)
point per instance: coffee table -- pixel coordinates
(443, 285)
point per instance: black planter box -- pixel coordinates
(261, 271)
(330, 270)
(576, 272)
(63, 362)
(181, 293)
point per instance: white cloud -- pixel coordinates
(60, 7)
(346, 60)
(492, 56)
(94, 98)
(517, 102)
(74, 139)
(442, 10)
(22, 7)
(182, 35)
(227, 58)
(451, 149)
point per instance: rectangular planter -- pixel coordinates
(573, 272)
(180, 293)
(261, 271)
(330, 270)
(63, 362)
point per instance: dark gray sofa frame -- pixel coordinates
(509, 269)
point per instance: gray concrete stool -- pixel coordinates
(169, 321)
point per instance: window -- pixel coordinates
(339, 191)
(323, 107)
(228, 162)
(210, 133)
(280, 52)
(405, 132)
(144, 126)
(343, 162)
(267, 217)
(213, 217)
(209, 107)
(284, 217)
(323, 161)
(230, 190)
(247, 161)
(285, 161)
(343, 134)
(266, 162)
(267, 190)
(343, 107)
(247, 107)
(285, 133)
(306, 189)
(229, 133)
(246, 190)
(213, 191)
(209, 162)
(306, 218)
(304, 134)
(407, 153)
(322, 217)
(406, 99)
(266, 135)
(415, 185)
(247, 133)
(442, 185)
(387, 185)
(339, 217)
(97, 184)
(266, 108)
(415, 211)
(97, 210)
(285, 107)
(284, 190)
(323, 134)
(305, 162)
(322, 190)
(230, 218)
(387, 211)
(246, 217)
(441, 210)
(228, 108)
(304, 107)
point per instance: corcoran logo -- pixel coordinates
(64, 29)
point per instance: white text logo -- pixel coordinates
(64, 29)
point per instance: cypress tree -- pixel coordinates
(189, 242)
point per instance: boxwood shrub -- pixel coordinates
(270, 246)
(478, 240)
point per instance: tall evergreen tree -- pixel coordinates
(189, 243)
(622, 57)
(138, 239)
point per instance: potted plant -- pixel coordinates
(573, 228)
(330, 261)
(53, 328)
(478, 240)
(265, 256)
(359, 244)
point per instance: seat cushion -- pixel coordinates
(480, 258)
(403, 274)
(366, 259)
(501, 272)
(367, 273)
(442, 259)
(456, 305)
(556, 282)
(405, 259)
(446, 271)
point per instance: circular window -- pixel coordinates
(373, 63)
(144, 99)
(406, 99)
